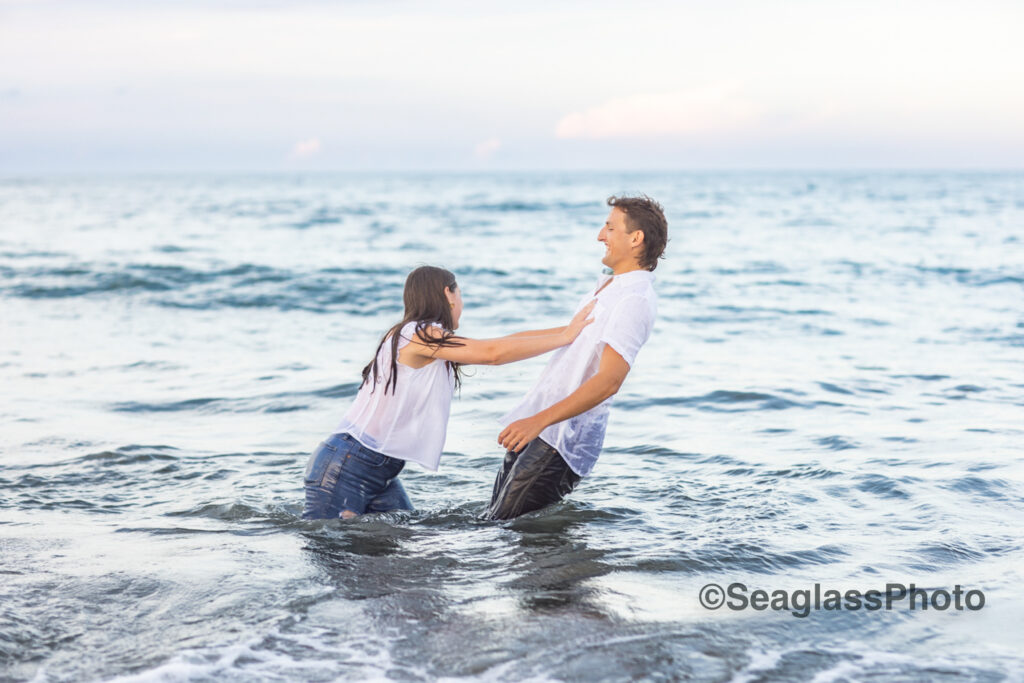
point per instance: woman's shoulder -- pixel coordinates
(409, 330)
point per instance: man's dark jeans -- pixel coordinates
(529, 480)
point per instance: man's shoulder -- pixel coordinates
(634, 308)
(639, 293)
(642, 286)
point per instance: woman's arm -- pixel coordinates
(537, 333)
(503, 349)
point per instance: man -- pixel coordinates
(554, 436)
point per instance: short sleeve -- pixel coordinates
(405, 334)
(629, 327)
(409, 330)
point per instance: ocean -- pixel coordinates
(832, 397)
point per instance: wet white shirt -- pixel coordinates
(411, 423)
(623, 319)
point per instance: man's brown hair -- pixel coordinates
(646, 215)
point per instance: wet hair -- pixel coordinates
(425, 304)
(646, 215)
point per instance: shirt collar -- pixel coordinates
(624, 279)
(635, 276)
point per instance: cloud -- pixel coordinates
(487, 148)
(718, 108)
(305, 149)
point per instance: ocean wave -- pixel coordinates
(88, 278)
(519, 206)
(277, 402)
(129, 455)
(358, 290)
(721, 400)
(948, 553)
(741, 556)
(983, 489)
(231, 512)
(836, 443)
(834, 388)
(972, 277)
(826, 664)
(810, 222)
(881, 485)
(804, 472)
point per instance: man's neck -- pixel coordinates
(627, 268)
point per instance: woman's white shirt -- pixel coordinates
(411, 423)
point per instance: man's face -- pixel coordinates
(618, 241)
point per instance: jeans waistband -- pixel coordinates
(355, 443)
(548, 447)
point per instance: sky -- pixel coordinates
(248, 85)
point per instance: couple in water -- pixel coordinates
(552, 438)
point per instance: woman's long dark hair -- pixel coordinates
(426, 304)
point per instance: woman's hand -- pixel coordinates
(578, 322)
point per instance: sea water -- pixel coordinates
(833, 394)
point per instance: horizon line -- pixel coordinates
(6, 175)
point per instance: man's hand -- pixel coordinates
(521, 432)
(612, 370)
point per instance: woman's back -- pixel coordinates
(407, 420)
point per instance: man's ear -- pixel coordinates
(637, 237)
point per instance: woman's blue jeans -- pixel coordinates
(344, 475)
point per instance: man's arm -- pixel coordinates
(610, 375)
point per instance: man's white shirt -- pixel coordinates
(623, 319)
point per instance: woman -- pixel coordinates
(401, 411)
